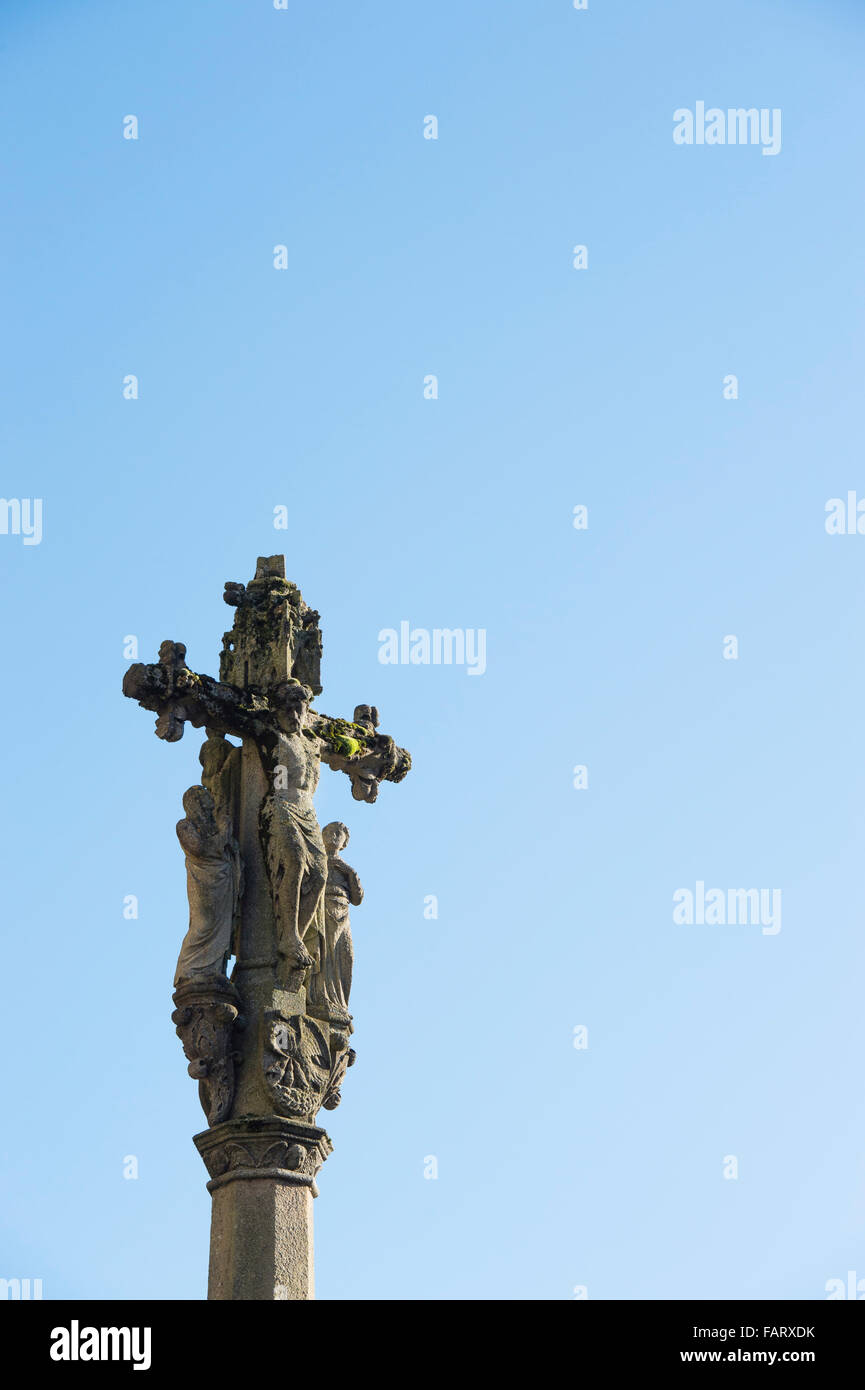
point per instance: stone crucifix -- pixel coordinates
(269, 1046)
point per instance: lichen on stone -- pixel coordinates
(343, 737)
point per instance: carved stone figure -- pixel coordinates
(220, 773)
(330, 981)
(291, 744)
(294, 852)
(213, 884)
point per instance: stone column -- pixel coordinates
(262, 1183)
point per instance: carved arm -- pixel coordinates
(178, 695)
(367, 757)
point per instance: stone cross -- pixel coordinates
(269, 1046)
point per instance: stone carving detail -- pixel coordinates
(290, 836)
(344, 1058)
(205, 1020)
(265, 884)
(172, 659)
(275, 635)
(246, 1148)
(329, 984)
(297, 1064)
(214, 878)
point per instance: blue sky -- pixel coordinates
(558, 1168)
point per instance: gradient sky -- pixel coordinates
(557, 1167)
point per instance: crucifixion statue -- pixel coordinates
(269, 1045)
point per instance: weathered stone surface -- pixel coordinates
(269, 1146)
(214, 883)
(275, 635)
(206, 1017)
(333, 953)
(267, 887)
(262, 1185)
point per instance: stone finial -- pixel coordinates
(275, 636)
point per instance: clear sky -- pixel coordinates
(559, 1167)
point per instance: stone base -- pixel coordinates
(262, 1185)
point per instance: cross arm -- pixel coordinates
(179, 695)
(356, 748)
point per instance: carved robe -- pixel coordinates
(213, 880)
(333, 951)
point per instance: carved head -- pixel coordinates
(364, 784)
(335, 836)
(367, 715)
(200, 809)
(290, 699)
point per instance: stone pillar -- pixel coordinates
(262, 1181)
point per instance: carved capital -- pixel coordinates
(305, 1061)
(267, 1147)
(205, 1017)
